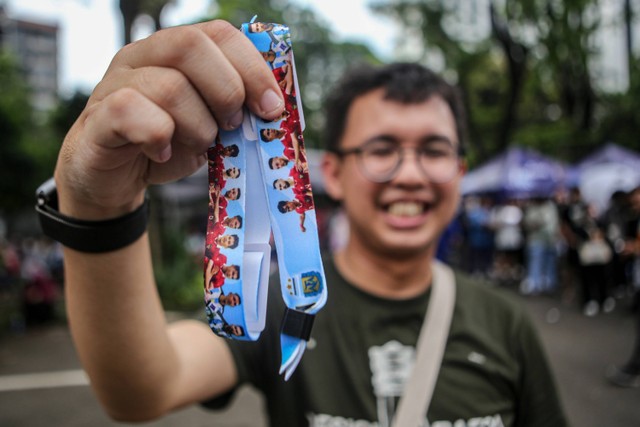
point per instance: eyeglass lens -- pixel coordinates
(381, 160)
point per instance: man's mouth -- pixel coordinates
(406, 209)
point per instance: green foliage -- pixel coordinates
(16, 167)
(178, 274)
(542, 86)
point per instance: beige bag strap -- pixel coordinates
(416, 398)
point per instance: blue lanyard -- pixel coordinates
(258, 185)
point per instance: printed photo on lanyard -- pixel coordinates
(258, 185)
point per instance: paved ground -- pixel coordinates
(579, 348)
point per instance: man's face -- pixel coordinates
(233, 172)
(257, 27)
(279, 162)
(226, 240)
(405, 216)
(232, 300)
(236, 330)
(232, 194)
(231, 272)
(269, 134)
(291, 206)
(281, 184)
(232, 222)
(269, 56)
(228, 150)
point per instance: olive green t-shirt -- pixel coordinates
(494, 371)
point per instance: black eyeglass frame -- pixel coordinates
(358, 151)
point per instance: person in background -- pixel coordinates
(541, 224)
(629, 374)
(479, 235)
(506, 221)
(395, 136)
(615, 220)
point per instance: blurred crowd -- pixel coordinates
(552, 245)
(557, 245)
(31, 281)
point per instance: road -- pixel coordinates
(41, 383)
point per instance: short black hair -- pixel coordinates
(233, 150)
(238, 192)
(276, 180)
(263, 136)
(403, 82)
(227, 328)
(238, 217)
(282, 206)
(236, 239)
(271, 160)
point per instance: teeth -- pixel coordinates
(405, 208)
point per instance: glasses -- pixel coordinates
(380, 160)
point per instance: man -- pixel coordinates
(300, 204)
(217, 271)
(132, 134)
(227, 241)
(231, 173)
(628, 375)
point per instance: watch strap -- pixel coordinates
(84, 235)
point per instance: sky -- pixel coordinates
(89, 30)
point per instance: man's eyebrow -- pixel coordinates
(437, 138)
(424, 140)
(383, 138)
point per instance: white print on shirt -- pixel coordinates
(476, 358)
(391, 365)
(323, 420)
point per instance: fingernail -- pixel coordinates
(165, 154)
(270, 102)
(236, 120)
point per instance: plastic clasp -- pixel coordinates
(297, 324)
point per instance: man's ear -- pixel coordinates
(331, 165)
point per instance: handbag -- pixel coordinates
(594, 252)
(413, 405)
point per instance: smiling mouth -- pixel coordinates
(406, 209)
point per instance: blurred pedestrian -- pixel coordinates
(542, 228)
(506, 221)
(629, 374)
(595, 257)
(615, 221)
(479, 235)
(578, 220)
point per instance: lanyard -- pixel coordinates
(259, 186)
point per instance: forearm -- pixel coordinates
(119, 328)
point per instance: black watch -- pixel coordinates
(88, 236)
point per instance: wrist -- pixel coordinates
(88, 235)
(78, 202)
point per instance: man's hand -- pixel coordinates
(155, 112)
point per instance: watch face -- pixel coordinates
(47, 193)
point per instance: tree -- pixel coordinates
(132, 9)
(544, 50)
(16, 167)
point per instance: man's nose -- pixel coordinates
(409, 170)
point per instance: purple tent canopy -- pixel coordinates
(517, 173)
(600, 174)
